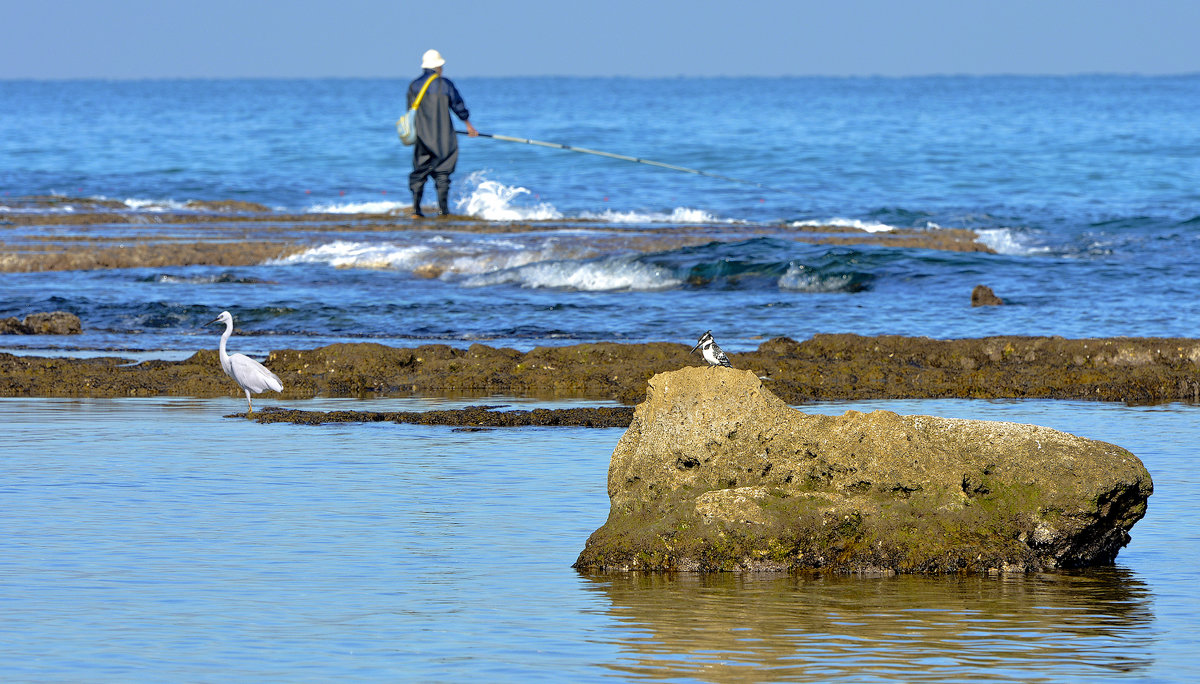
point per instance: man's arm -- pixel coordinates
(460, 109)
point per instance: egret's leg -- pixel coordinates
(249, 405)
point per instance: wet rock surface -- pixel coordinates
(826, 367)
(149, 254)
(717, 473)
(482, 416)
(43, 323)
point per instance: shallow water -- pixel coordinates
(155, 539)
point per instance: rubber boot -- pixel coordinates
(443, 193)
(416, 210)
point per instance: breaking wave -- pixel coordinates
(493, 201)
(803, 278)
(347, 254)
(611, 274)
(438, 257)
(1008, 241)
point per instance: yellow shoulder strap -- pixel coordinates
(417, 102)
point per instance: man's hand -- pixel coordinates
(471, 132)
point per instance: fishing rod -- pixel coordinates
(622, 157)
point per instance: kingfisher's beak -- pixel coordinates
(693, 349)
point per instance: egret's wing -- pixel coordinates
(252, 375)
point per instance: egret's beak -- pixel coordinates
(215, 320)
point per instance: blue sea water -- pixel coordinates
(1085, 187)
(157, 540)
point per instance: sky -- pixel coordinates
(135, 39)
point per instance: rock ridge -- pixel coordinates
(825, 367)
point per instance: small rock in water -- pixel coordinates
(982, 295)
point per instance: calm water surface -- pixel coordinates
(155, 540)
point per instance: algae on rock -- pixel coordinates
(717, 473)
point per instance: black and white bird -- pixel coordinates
(710, 351)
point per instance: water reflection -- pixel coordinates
(731, 627)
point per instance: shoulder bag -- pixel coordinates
(406, 126)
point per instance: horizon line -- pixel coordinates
(1077, 74)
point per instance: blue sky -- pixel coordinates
(373, 38)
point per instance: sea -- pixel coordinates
(158, 539)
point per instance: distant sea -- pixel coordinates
(1086, 188)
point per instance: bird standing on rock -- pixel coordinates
(710, 351)
(249, 374)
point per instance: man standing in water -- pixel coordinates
(436, 150)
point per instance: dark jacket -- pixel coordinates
(434, 127)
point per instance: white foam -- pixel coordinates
(346, 254)
(373, 207)
(63, 209)
(479, 263)
(439, 256)
(153, 205)
(589, 276)
(494, 201)
(868, 226)
(1007, 241)
(679, 215)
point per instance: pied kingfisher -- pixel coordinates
(710, 351)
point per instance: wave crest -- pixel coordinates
(801, 278)
(613, 274)
(867, 226)
(493, 201)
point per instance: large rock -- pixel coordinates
(717, 473)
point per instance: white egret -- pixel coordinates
(249, 374)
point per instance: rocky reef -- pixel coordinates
(826, 367)
(469, 418)
(717, 473)
(53, 233)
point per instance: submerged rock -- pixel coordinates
(52, 323)
(717, 473)
(982, 295)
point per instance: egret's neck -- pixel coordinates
(225, 338)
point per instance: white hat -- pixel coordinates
(432, 59)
